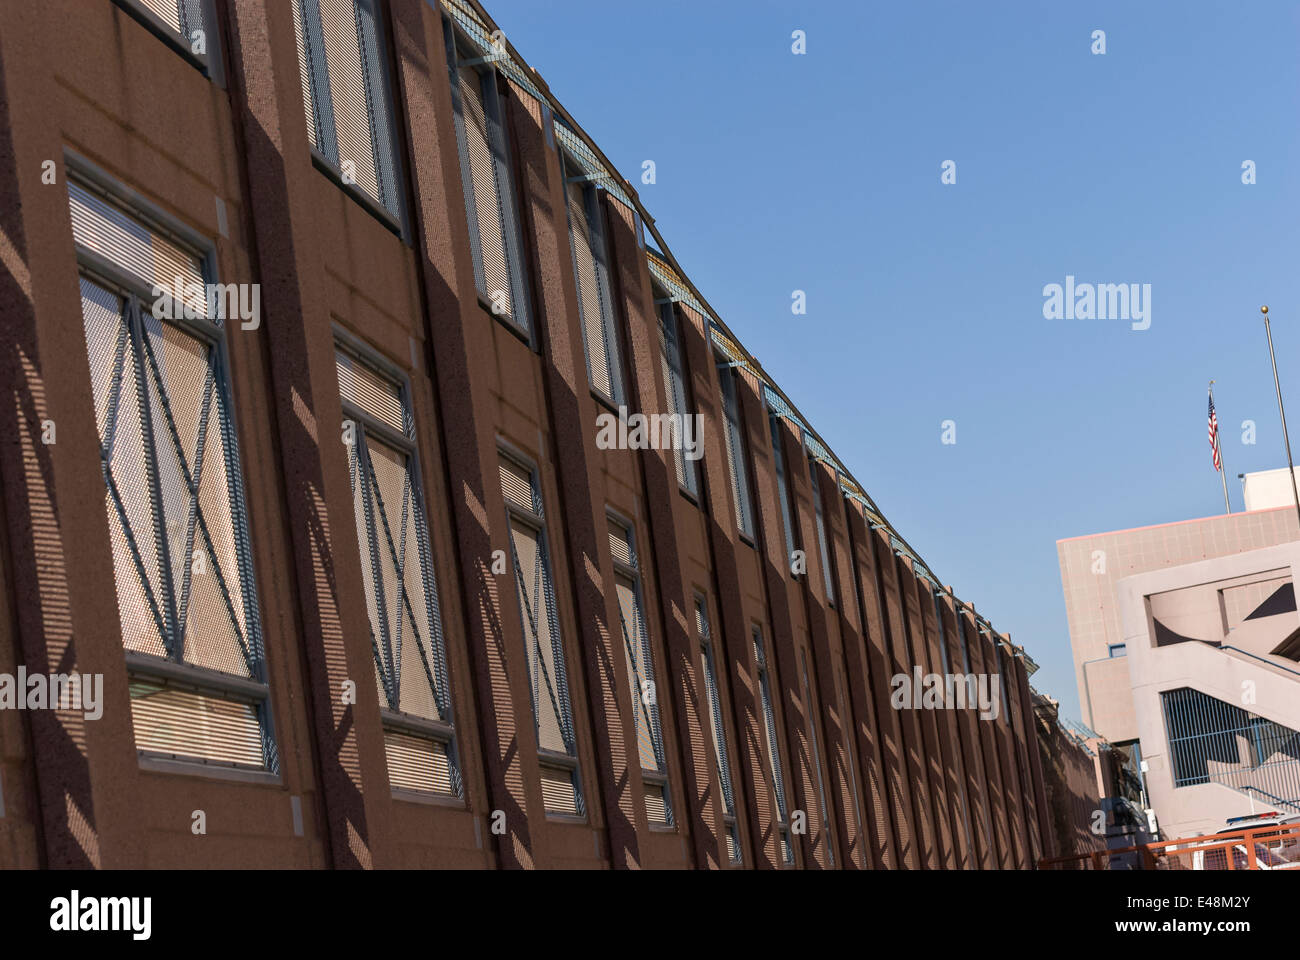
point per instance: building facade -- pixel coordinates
(338, 370)
(1186, 643)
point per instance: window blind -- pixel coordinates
(639, 662)
(486, 180)
(547, 670)
(174, 492)
(345, 94)
(773, 745)
(736, 454)
(670, 355)
(398, 578)
(827, 579)
(718, 732)
(590, 268)
(782, 487)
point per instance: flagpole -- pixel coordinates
(1218, 448)
(1277, 385)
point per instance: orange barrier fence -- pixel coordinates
(1259, 848)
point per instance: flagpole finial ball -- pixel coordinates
(1264, 310)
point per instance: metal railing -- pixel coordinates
(1211, 741)
(1271, 847)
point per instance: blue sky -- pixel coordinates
(821, 172)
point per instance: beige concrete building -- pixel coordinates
(1185, 639)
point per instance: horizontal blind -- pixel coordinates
(493, 257)
(516, 484)
(675, 388)
(194, 726)
(782, 487)
(736, 455)
(345, 96)
(417, 763)
(584, 241)
(620, 543)
(821, 532)
(769, 723)
(559, 792)
(105, 228)
(370, 391)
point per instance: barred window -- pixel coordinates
(591, 273)
(401, 590)
(670, 355)
(189, 26)
(345, 94)
(782, 487)
(775, 767)
(487, 181)
(547, 670)
(641, 674)
(174, 491)
(718, 732)
(827, 579)
(736, 453)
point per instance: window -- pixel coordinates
(486, 178)
(189, 26)
(782, 489)
(591, 272)
(827, 580)
(718, 732)
(182, 564)
(736, 453)
(641, 674)
(817, 759)
(345, 93)
(775, 767)
(397, 573)
(548, 677)
(670, 354)
(1117, 650)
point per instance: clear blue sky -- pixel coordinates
(822, 173)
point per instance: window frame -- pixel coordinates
(398, 721)
(670, 334)
(659, 777)
(462, 52)
(598, 242)
(396, 221)
(135, 293)
(823, 538)
(741, 494)
(209, 64)
(718, 729)
(547, 758)
(776, 766)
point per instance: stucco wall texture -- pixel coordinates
(879, 787)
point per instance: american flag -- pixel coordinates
(1214, 435)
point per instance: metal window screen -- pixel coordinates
(639, 661)
(399, 581)
(547, 672)
(345, 94)
(489, 199)
(587, 244)
(675, 388)
(174, 494)
(736, 454)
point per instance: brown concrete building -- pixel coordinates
(321, 484)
